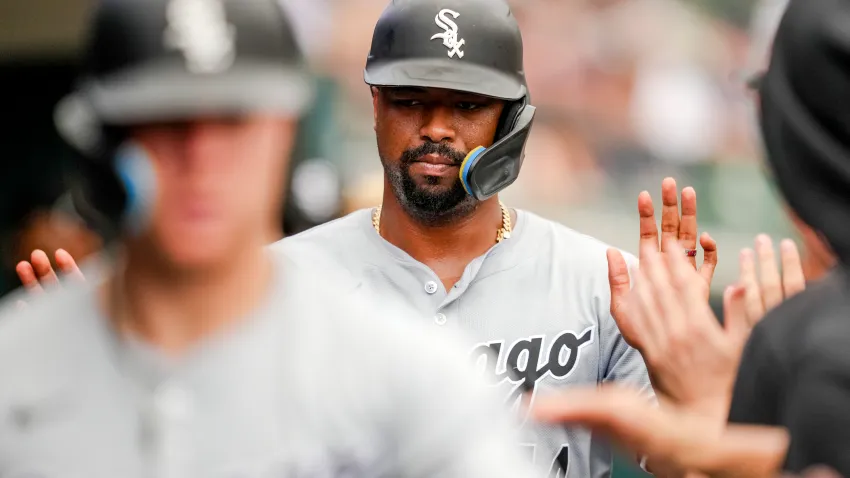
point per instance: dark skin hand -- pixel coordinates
(407, 118)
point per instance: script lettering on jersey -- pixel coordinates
(200, 30)
(449, 35)
(524, 363)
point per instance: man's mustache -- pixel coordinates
(413, 155)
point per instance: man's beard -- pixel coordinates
(426, 205)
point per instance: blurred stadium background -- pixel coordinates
(628, 91)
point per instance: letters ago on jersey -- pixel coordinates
(523, 365)
(525, 362)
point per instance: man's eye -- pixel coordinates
(406, 103)
(465, 105)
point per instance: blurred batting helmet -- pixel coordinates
(170, 60)
(473, 46)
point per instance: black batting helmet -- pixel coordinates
(165, 60)
(473, 46)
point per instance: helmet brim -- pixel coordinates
(164, 92)
(450, 74)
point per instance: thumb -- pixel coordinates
(735, 319)
(618, 277)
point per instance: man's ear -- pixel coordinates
(375, 94)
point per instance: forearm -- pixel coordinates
(746, 452)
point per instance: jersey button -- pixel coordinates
(430, 287)
(173, 402)
(440, 319)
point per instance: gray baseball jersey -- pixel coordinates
(535, 309)
(316, 383)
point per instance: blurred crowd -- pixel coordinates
(623, 87)
(628, 91)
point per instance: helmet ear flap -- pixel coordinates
(98, 194)
(486, 171)
(509, 117)
(98, 197)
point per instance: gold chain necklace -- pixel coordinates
(504, 232)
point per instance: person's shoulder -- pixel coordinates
(816, 319)
(330, 235)
(569, 245)
(41, 313)
(40, 343)
(329, 246)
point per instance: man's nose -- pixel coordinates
(199, 144)
(439, 125)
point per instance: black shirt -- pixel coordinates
(795, 372)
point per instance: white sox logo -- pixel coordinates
(526, 363)
(449, 35)
(200, 30)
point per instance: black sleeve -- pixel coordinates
(757, 387)
(818, 422)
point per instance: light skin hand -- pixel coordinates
(675, 229)
(676, 441)
(38, 275)
(764, 284)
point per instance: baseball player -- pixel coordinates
(534, 299)
(452, 114)
(195, 353)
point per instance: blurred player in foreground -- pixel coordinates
(197, 353)
(791, 390)
(452, 116)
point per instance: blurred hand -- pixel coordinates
(676, 441)
(815, 472)
(766, 287)
(37, 275)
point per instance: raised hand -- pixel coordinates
(764, 285)
(675, 229)
(692, 359)
(37, 274)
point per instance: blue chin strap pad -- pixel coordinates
(486, 171)
(137, 175)
(465, 166)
